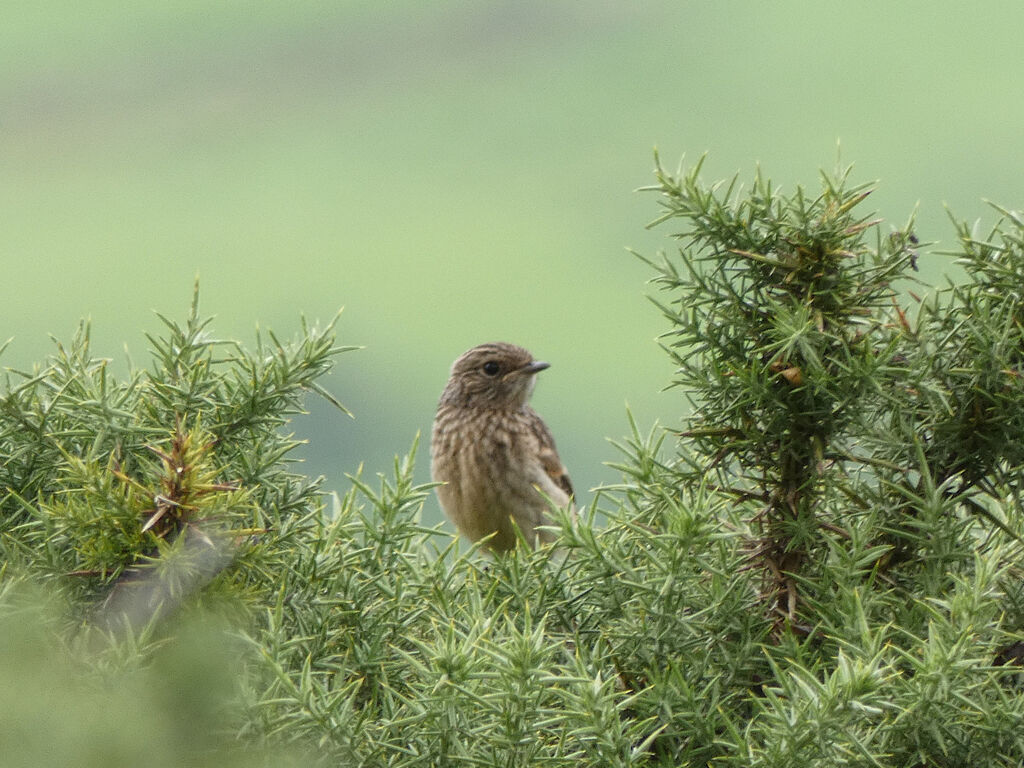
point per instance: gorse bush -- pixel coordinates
(137, 506)
(821, 567)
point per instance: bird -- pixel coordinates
(493, 457)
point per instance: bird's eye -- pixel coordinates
(491, 368)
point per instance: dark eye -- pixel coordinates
(491, 368)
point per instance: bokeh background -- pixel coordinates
(453, 172)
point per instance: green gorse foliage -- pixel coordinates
(780, 332)
(821, 567)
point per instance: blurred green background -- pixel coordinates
(455, 172)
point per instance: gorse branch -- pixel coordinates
(779, 331)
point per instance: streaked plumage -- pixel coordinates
(494, 455)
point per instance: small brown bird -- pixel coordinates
(492, 452)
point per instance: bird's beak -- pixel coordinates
(534, 367)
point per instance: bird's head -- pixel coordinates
(495, 375)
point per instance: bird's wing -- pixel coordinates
(557, 471)
(548, 455)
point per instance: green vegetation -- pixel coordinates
(821, 568)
